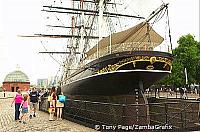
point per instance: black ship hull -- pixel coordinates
(115, 79)
(114, 83)
(119, 73)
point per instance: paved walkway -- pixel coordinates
(37, 124)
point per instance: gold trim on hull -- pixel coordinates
(134, 60)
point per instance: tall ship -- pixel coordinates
(105, 62)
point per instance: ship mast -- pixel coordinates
(101, 9)
(81, 46)
(69, 62)
(79, 33)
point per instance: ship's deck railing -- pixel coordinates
(180, 114)
(132, 46)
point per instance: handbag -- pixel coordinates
(61, 98)
(59, 104)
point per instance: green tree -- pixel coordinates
(197, 69)
(186, 55)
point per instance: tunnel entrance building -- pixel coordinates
(16, 80)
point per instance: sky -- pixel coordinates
(24, 17)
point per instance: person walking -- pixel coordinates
(24, 107)
(59, 103)
(181, 92)
(34, 96)
(17, 99)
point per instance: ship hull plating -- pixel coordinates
(119, 74)
(114, 86)
(114, 83)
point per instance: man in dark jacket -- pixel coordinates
(34, 95)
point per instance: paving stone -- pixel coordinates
(36, 124)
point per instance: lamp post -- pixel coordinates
(186, 82)
(198, 90)
(186, 77)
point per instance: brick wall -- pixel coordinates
(13, 86)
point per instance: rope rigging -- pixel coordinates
(67, 64)
(170, 38)
(50, 54)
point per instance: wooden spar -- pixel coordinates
(57, 36)
(65, 12)
(67, 27)
(46, 52)
(154, 13)
(91, 11)
(87, 1)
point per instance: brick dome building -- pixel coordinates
(16, 80)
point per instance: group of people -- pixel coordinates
(22, 102)
(54, 102)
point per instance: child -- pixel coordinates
(24, 106)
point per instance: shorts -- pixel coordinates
(25, 110)
(59, 104)
(33, 105)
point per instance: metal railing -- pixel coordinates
(172, 94)
(183, 115)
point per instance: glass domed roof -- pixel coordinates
(16, 76)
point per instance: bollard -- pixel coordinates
(4, 92)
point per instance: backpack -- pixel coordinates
(61, 98)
